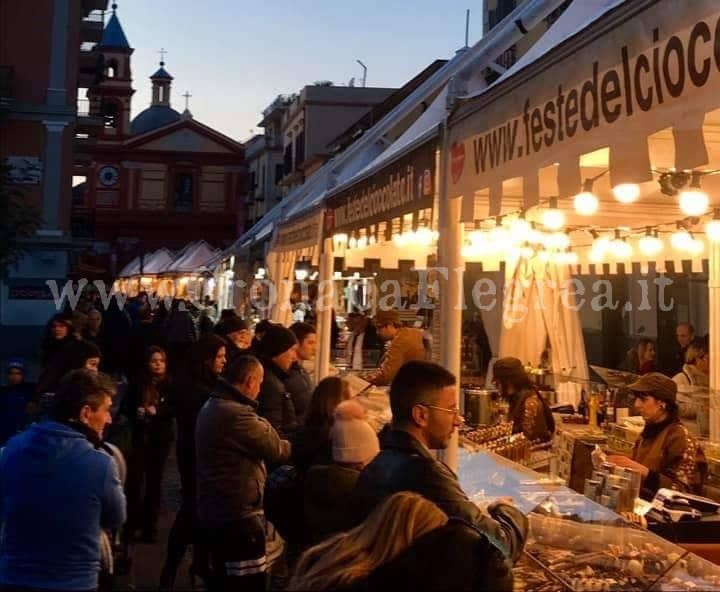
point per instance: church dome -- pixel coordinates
(153, 118)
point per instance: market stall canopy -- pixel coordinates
(634, 101)
(194, 260)
(131, 269)
(158, 261)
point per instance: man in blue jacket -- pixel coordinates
(58, 488)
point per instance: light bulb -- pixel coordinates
(352, 243)
(400, 240)
(681, 240)
(362, 242)
(626, 192)
(340, 239)
(712, 230)
(557, 240)
(477, 237)
(544, 256)
(570, 257)
(620, 249)
(372, 240)
(527, 252)
(650, 245)
(695, 247)
(553, 219)
(424, 237)
(468, 252)
(694, 202)
(536, 237)
(436, 235)
(520, 230)
(586, 203)
(499, 239)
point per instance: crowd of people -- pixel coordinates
(261, 447)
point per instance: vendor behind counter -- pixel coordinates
(529, 412)
(665, 454)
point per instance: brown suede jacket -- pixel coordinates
(406, 346)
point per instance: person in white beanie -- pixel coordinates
(328, 487)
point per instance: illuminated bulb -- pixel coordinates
(468, 252)
(712, 230)
(544, 256)
(696, 247)
(681, 240)
(435, 235)
(352, 243)
(650, 245)
(520, 230)
(399, 240)
(499, 239)
(536, 237)
(557, 240)
(620, 249)
(626, 192)
(526, 252)
(340, 240)
(599, 249)
(372, 240)
(596, 256)
(569, 257)
(362, 242)
(424, 237)
(553, 219)
(694, 202)
(477, 237)
(586, 204)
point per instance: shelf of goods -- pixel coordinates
(576, 544)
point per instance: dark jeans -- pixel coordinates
(237, 554)
(146, 466)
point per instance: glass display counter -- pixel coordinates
(577, 544)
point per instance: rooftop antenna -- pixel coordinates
(364, 67)
(467, 28)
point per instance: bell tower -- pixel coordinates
(111, 97)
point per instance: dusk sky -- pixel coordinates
(234, 57)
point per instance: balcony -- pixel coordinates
(6, 90)
(91, 27)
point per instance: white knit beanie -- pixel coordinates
(353, 440)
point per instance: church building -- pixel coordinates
(161, 179)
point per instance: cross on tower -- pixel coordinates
(187, 96)
(162, 53)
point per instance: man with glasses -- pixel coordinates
(423, 399)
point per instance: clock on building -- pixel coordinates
(108, 176)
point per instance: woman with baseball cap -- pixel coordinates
(665, 454)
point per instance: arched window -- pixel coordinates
(110, 113)
(111, 69)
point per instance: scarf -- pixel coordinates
(651, 430)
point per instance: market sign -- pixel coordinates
(657, 69)
(300, 233)
(405, 186)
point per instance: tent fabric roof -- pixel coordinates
(130, 269)
(195, 258)
(158, 262)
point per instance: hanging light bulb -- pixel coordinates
(557, 240)
(696, 246)
(424, 237)
(526, 252)
(477, 236)
(353, 242)
(626, 192)
(535, 236)
(552, 217)
(650, 245)
(520, 229)
(681, 240)
(499, 237)
(599, 249)
(586, 202)
(712, 227)
(619, 247)
(693, 200)
(362, 242)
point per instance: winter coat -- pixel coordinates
(233, 444)
(58, 491)
(150, 430)
(275, 401)
(531, 416)
(13, 409)
(327, 489)
(406, 346)
(404, 464)
(674, 458)
(311, 446)
(456, 556)
(300, 385)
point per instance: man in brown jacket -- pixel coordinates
(406, 344)
(529, 412)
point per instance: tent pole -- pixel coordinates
(713, 330)
(450, 259)
(324, 317)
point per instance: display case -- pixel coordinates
(577, 544)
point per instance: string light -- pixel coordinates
(552, 217)
(424, 237)
(712, 227)
(626, 192)
(619, 247)
(557, 240)
(650, 245)
(693, 200)
(586, 203)
(520, 229)
(681, 240)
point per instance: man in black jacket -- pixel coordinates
(233, 445)
(278, 352)
(423, 399)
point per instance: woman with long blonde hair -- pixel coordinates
(351, 556)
